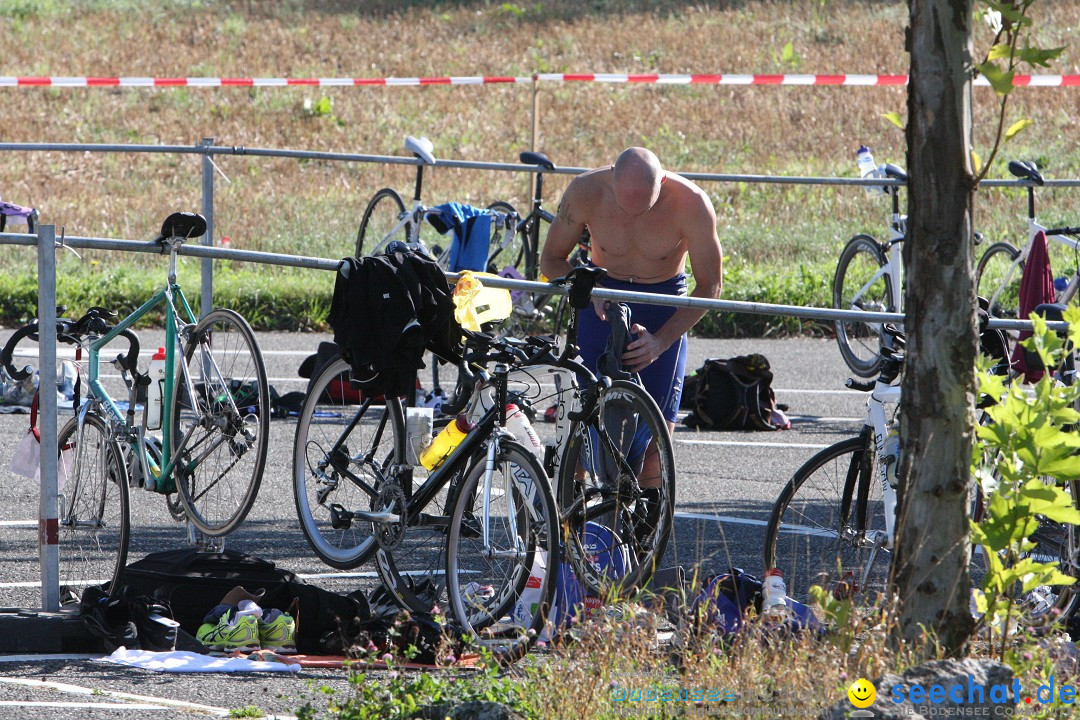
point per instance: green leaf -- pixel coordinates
(894, 117)
(976, 161)
(788, 53)
(1017, 127)
(1039, 56)
(1000, 80)
(1000, 51)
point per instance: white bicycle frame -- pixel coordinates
(878, 421)
(893, 267)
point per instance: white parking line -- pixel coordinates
(19, 523)
(743, 443)
(148, 699)
(95, 706)
(788, 529)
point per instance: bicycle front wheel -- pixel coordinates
(93, 527)
(997, 278)
(381, 215)
(219, 433)
(617, 492)
(861, 284)
(343, 450)
(504, 538)
(827, 528)
(509, 248)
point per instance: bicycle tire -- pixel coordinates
(514, 253)
(372, 437)
(220, 467)
(629, 421)
(93, 523)
(830, 502)
(381, 215)
(995, 276)
(860, 343)
(485, 584)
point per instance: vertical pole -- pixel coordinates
(48, 523)
(206, 297)
(535, 128)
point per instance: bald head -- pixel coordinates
(637, 177)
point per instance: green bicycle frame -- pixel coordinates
(163, 482)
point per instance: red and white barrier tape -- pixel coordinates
(845, 80)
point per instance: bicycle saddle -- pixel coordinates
(183, 225)
(1026, 169)
(895, 172)
(536, 158)
(422, 148)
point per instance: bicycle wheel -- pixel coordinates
(381, 215)
(824, 525)
(618, 472)
(861, 284)
(92, 530)
(219, 436)
(998, 279)
(343, 449)
(487, 576)
(508, 247)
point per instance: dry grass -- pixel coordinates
(314, 207)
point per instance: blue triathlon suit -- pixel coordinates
(663, 378)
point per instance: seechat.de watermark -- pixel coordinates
(964, 699)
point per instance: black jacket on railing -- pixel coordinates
(387, 309)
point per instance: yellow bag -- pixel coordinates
(475, 304)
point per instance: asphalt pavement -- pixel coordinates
(726, 485)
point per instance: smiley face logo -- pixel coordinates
(862, 693)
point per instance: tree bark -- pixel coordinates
(930, 570)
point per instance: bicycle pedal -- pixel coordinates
(340, 518)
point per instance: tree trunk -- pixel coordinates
(930, 572)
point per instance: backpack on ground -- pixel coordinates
(193, 582)
(733, 394)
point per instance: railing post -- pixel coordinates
(48, 523)
(206, 297)
(535, 131)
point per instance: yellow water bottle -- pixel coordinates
(445, 442)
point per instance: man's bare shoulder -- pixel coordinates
(688, 196)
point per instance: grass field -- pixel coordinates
(780, 242)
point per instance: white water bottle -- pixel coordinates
(522, 430)
(867, 167)
(774, 595)
(154, 394)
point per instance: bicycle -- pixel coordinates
(1001, 267)
(214, 429)
(869, 276)
(386, 219)
(475, 525)
(833, 524)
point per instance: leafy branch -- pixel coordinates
(1011, 25)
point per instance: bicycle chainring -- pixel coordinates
(390, 498)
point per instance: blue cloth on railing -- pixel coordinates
(472, 234)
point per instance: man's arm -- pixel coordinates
(706, 260)
(563, 233)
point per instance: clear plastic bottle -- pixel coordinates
(522, 430)
(445, 442)
(154, 392)
(867, 167)
(774, 595)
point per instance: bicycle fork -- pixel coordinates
(488, 551)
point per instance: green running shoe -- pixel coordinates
(279, 634)
(228, 635)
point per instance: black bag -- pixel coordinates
(733, 394)
(193, 583)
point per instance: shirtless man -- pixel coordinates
(643, 222)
